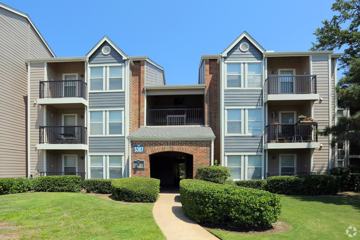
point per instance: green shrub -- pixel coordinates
(97, 185)
(349, 179)
(319, 185)
(216, 174)
(57, 184)
(227, 205)
(15, 185)
(291, 185)
(136, 189)
(257, 184)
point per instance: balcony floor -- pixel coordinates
(49, 146)
(292, 97)
(69, 100)
(292, 145)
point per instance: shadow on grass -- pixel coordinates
(340, 199)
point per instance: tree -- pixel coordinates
(341, 31)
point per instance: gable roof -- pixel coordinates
(24, 15)
(238, 39)
(113, 45)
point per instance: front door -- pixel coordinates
(70, 164)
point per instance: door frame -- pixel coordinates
(63, 121)
(293, 112)
(62, 162)
(69, 74)
(294, 74)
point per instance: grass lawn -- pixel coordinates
(75, 216)
(322, 217)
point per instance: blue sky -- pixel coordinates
(175, 33)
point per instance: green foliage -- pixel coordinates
(136, 189)
(228, 206)
(306, 185)
(257, 184)
(341, 31)
(216, 174)
(348, 180)
(15, 185)
(57, 184)
(97, 185)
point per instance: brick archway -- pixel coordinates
(200, 150)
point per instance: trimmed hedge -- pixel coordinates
(216, 174)
(57, 184)
(136, 189)
(348, 180)
(228, 206)
(97, 185)
(306, 185)
(15, 185)
(257, 184)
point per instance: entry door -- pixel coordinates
(69, 123)
(70, 86)
(287, 80)
(70, 164)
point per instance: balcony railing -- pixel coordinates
(296, 84)
(81, 174)
(299, 132)
(175, 116)
(63, 134)
(63, 89)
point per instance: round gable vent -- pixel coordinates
(106, 50)
(244, 47)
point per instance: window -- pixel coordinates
(234, 118)
(234, 163)
(287, 164)
(96, 167)
(115, 166)
(96, 123)
(254, 167)
(115, 78)
(70, 84)
(254, 75)
(69, 122)
(115, 122)
(233, 75)
(70, 164)
(255, 121)
(286, 77)
(96, 78)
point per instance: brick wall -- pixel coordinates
(212, 101)
(201, 151)
(136, 95)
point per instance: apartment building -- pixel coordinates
(19, 40)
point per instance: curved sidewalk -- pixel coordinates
(173, 223)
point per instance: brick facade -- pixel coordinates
(212, 100)
(137, 95)
(200, 150)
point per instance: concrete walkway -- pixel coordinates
(173, 223)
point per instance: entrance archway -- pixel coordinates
(171, 167)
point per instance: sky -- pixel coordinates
(175, 33)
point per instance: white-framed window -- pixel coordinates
(287, 80)
(97, 165)
(254, 75)
(233, 75)
(70, 84)
(243, 121)
(97, 78)
(97, 123)
(69, 164)
(234, 121)
(287, 164)
(244, 75)
(106, 122)
(106, 78)
(115, 122)
(106, 165)
(115, 80)
(244, 166)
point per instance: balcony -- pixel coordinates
(291, 87)
(175, 116)
(62, 92)
(291, 136)
(62, 137)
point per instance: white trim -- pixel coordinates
(212, 153)
(67, 100)
(63, 158)
(70, 74)
(28, 122)
(293, 145)
(292, 97)
(244, 120)
(244, 163)
(69, 114)
(243, 75)
(105, 112)
(106, 78)
(222, 111)
(44, 162)
(330, 112)
(108, 122)
(106, 165)
(31, 23)
(238, 39)
(127, 155)
(106, 39)
(295, 162)
(49, 146)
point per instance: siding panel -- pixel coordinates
(252, 55)
(99, 58)
(106, 99)
(153, 75)
(242, 144)
(242, 97)
(107, 144)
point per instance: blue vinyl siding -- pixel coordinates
(98, 58)
(107, 100)
(243, 144)
(243, 97)
(107, 144)
(252, 55)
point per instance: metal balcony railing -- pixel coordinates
(175, 116)
(51, 173)
(299, 132)
(62, 89)
(292, 84)
(62, 134)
